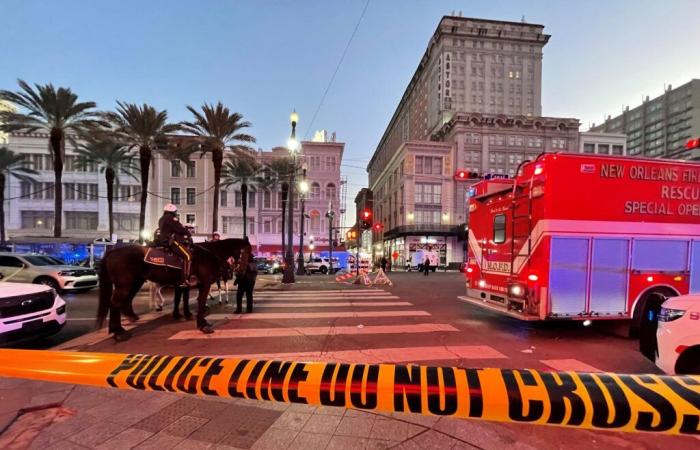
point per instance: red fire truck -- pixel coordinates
(584, 237)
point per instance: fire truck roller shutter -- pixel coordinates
(568, 276)
(609, 276)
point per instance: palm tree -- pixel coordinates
(113, 158)
(281, 169)
(10, 164)
(145, 129)
(241, 169)
(218, 129)
(57, 112)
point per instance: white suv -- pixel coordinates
(43, 269)
(678, 335)
(29, 311)
(322, 265)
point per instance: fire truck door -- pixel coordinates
(609, 275)
(568, 276)
(695, 268)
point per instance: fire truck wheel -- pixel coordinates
(649, 321)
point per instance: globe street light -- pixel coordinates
(303, 189)
(293, 146)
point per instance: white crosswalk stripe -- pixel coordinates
(284, 304)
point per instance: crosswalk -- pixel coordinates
(352, 326)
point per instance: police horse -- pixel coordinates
(124, 270)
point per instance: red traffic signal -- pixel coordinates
(463, 175)
(378, 227)
(692, 143)
(366, 214)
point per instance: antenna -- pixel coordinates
(522, 19)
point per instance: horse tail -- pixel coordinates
(105, 293)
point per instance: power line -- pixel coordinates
(337, 67)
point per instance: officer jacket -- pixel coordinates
(170, 228)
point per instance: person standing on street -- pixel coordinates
(426, 265)
(245, 280)
(383, 263)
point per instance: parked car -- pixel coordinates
(268, 266)
(42, 269)
(321, 265)
(678, 335)
(29, 311)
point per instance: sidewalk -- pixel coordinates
(80, 417)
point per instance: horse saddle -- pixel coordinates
(159, 256)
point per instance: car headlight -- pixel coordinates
(66, 273)
(668, 314)
(275, 265)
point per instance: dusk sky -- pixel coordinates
(264, 58)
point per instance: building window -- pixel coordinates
(223, 195)
(603, 149)
(427, 217)
(267, 226)
(191, 169)
(315, 191)
(429, 165)
(191, 196)
(588, 147)
(267, 200)
(81, 220)
(175, 196)
(49, 191)
(251, 199)
(37, 219)
(175, 169)
(315, 220)
(190, 219)
(25, 188)
(69, 191)
(499, 229)
(428, 193)
(618, 149)
(251, 225)
(126, 222)
(330, 191)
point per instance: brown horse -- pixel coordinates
(123, 271)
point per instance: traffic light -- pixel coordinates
(366, 219)
(378, 227)
(351, 235)
(464, 175)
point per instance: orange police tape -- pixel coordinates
(606, 401)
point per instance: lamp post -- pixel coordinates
(303, 189)
(293, 146)
(330, 215)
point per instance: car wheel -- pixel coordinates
(323, 270)
(48, 281)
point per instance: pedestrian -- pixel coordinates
(383, 263)
(157, 300)
(184, 295)
(426, 265)
(245, 280)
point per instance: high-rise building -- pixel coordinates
(474, 103)
(660, 127)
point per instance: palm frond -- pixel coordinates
(13, 164)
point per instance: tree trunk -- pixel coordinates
(145, 166)
(217, 157)
(285, 195)
(109, 178)
(244, 204)
(2, 208)
(57, 141)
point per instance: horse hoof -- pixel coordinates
(206, 329)
(122, 336)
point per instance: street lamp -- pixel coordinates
(303, 189)
(293, 147)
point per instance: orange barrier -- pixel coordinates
(605, 401)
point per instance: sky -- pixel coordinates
(265, 58)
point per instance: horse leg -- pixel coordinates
(186, 304)
(128, 306)
(176, 302)
(119, 296)
(226, 290)
(202, 324)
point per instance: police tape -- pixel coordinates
(604, 401)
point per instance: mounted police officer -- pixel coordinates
(173, 234)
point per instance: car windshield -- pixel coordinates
(36, 260)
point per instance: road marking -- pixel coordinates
(385, 355)
(567, 365)
(323, 294)
(327, 291)
(266, 304)
(314, 331)
(325, 299)
(331, 315)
